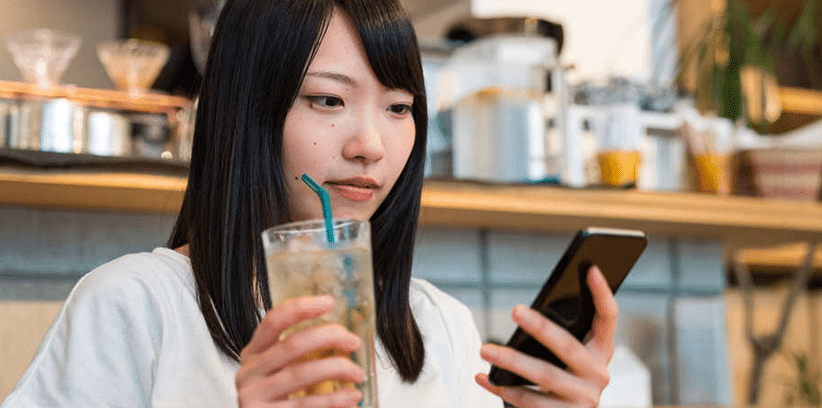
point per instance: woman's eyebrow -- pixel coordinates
(344, 79)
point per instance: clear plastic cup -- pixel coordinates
(301, 262)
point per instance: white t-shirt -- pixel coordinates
(131, 335)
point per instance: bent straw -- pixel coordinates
(324, 200)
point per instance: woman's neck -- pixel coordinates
(183, 250)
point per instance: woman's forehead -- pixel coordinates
(340, 56)
(341, 53)
(340, 39)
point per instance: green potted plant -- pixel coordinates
(736, 57)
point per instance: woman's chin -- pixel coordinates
(347, 213)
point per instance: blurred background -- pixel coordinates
(697, 120)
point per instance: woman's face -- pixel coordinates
(345, 130)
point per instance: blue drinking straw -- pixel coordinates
(348, 262)
(329, 230)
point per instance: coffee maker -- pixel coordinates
(504, 93)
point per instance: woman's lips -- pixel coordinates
(356, 189)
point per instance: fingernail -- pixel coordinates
(316, 301)
(489, 352)
(522, 313)
(354, 396)
(597, 273)
(481, 378)
(357, 342)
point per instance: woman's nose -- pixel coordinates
(365, 144)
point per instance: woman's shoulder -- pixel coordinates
(432, 306)
(425, 292)
(145, 275)
(107, 340)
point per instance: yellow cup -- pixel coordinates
(619, 168)
(711, 173)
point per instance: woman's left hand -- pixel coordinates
(582, 382)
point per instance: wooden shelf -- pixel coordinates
(86, 190)
(99, 98)
(739, 221)
(801, 101)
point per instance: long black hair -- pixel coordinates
(236, 186)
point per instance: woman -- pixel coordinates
(333, 89)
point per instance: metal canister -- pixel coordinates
(108, 134)
(28, 130)
(49, 125)
(61, 127)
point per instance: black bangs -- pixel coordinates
(390, 44)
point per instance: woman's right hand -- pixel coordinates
(271, 368)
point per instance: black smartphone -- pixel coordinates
(566, 298)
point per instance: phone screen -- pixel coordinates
(566, 298)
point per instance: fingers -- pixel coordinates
(273, 368)
(277, 320)
(299, 376)
(520, 396)
(560, 341)
(346, 398)
(587, 372)
(297, 346)
(548, 377)
(605, 317)
(323, 375)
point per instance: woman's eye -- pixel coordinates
(326, 101)
(399, 108)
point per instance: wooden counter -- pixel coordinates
(740, 221)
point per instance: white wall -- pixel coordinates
(94, 20)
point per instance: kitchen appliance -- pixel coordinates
(472, 28)
(505, 94)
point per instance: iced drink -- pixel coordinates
(301, 262)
